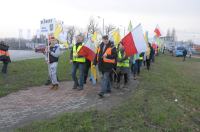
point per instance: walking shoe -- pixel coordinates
(80, 88)
(52, 87)
(56, 87)
(48, 82)
(75, 86)
(101, 95)
(107, 95)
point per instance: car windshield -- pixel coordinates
(180, 48)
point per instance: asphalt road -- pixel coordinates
(17, 55)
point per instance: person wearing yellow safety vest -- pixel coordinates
(78, 63)
(122, 67)
(141, 58)
(106, 59)
(136, 60)
(4, 56)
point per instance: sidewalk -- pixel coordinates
(36, 103)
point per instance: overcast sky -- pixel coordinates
(183, 15)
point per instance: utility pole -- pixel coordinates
(123, 28)
(28, 38)
(103, 28)
(124, 31)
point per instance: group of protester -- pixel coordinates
(112, 63)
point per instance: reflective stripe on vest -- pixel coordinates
(108, 52)
(2, 52)
(125, 63)
(75, 54)
(98, 51)
(141, 58)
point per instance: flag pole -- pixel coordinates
(137, 26)
(48, 46)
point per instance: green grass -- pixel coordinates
(151, 107)
(28, 73)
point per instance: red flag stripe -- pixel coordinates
(157, 31)
(87, 53)
(129, 45)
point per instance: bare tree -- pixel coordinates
(93, 26)
(109, 29)
(70, 34)
(13, 43)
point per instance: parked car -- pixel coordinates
(179, 51)
(40, 48)
(171, 49)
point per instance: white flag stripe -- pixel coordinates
(90, 45)
(139, 39)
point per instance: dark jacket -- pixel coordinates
(152, 52)
(4, 57)
(104, 66)
(184, 52)
(54, 54)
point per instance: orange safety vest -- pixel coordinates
(108, 52)
(2, 52)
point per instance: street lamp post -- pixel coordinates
(124, 31)
(124, 28)
(20, 36)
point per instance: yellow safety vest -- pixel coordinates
(125, 63)
(75, 54)
(140, 58)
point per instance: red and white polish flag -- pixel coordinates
(134, 42)
(88, 50)
(157, 31)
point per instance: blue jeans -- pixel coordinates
(136, 67)
(105, 83)
(75, 67)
